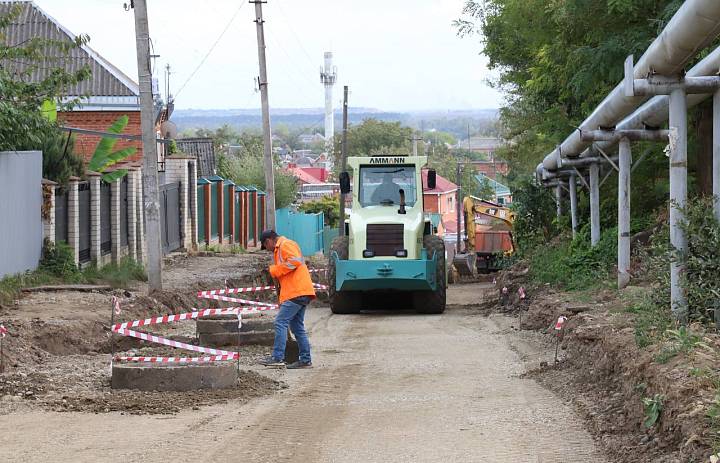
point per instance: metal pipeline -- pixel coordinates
(695, 25)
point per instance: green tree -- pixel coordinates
(59, 161)
(374, 136)
(104, 157)
(556, 61)
(23, 126)
(249, 169)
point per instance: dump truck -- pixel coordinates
(388, 251)
(488, 227)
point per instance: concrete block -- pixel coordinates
(146, 377)
(231, 326)
(260, 338)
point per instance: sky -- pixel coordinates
(395, 55)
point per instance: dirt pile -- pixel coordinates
(56, 353)
(615, 384)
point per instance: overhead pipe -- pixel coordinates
(694, 26)
(654, 113)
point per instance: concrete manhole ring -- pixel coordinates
(178, 378)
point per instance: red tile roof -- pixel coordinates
(303, 176)
(442, 185)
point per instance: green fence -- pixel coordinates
(307, 230)
(245, 202)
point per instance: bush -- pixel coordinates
(702, 261)
(328, 205)
(59, 260)
(574, 264)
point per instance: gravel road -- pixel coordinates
(394, 387)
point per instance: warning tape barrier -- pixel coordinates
(177, 317)
(169, 342)
(250, 289)
(215, 354)
(213, 358)
(240, 301)
(235, 290)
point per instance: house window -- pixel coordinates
(450, 203)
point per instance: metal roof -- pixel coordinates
(33, 22)
(498, 188)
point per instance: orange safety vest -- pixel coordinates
(290, 270)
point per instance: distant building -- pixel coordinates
(309, 138)
(440, 200)
(484, 145)
(491, 169)
(501, 193)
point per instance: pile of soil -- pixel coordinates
(56, 353)
(604, 373)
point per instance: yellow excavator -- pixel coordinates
(488, 230)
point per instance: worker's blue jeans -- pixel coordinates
(292, 314)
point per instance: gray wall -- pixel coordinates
(20, 211)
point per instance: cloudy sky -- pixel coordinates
(394, 54)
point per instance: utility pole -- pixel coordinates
(150, 165)
(458, 179)
(415, 140)
(263, 84)
(343, 161)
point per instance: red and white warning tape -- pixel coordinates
(171, 343)
(560, 324)
(177, 317)
(317, 270)
(215, 354)
(213, 358)
(3, 331)
(234, 290)
(239, 301)
(251, 289)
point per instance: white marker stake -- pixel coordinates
(559, 325)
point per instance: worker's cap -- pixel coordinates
(266, 235)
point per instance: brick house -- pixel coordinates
(440, 200)
(104, 97)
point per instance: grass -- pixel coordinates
(217, 248)
(651, 322)
(678, 341)
(116, 275)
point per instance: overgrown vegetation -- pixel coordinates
(248, 168)
(328, 205)
(58, 267)
(574, 264)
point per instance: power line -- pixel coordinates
(290, 75)
(211, 48)
(292, 31)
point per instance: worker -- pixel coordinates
(296, 292)
(388, 190)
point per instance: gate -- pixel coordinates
(105, 219)
(170, 217)
(61, 222)
(124, 226)
(84, 219)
